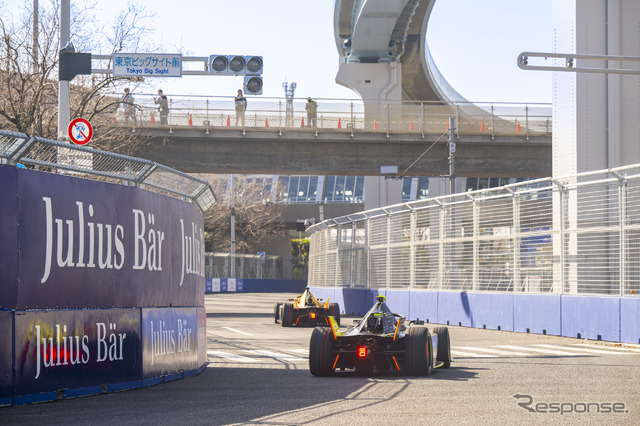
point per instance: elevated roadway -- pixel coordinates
(341, 152)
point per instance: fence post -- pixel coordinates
(516, 243)
(493, 127)
(353, 125)
(526, 122)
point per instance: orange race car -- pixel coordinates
(305, 310)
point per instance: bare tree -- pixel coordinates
(28, 68)
(258, 221)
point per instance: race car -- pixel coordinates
(380, 341)
(306, 310)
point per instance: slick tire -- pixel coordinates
(418, 351)
(321, 356)
(276, 312)
(287, 315)
(444, 346)
(334, 311)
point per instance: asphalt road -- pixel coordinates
(259, 374)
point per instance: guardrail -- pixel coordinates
(60, 157)
(574, 235)
(488, 118)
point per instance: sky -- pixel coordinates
(475, 44)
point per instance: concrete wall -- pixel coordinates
(615, 319)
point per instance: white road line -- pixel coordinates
(238, 331)
(300, 351)
(580, 349)
(469, 354)
(620, 349)
(544, 351)
(496, 351)
(230, 356)
(276, 355)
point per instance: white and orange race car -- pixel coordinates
(305, 310)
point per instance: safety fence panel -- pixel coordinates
(578, 234)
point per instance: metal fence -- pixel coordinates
(65, 158)
(573, 235)
(218, 265)
(426, 117)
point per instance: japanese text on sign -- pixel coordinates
(147, 65)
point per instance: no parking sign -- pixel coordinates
(80, 131)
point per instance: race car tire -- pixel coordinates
(334, 311)
(444, 346)
(418, 351)
(287, 315)
(321, 356)
(276, 312)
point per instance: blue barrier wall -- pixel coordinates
(615, 319)
(253, 285)
(101, 287)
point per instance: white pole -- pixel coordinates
(233, 229)
(63, 86)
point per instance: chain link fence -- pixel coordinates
(83, 162)
(219, 265)
(572, 235)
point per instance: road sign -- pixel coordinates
(147, 65)
(80, 131)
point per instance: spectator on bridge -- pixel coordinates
(163, 107)
(241, 107)
(312, 111)
(127, 105)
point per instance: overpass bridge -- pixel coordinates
(497, 140)
(226, 150)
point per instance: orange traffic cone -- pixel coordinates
(153, 119)
(302, 122)
(228, 120)
(375, 124)
(190, 120)
(411, 126)
(482, 126)
(519, 129)
(339, 123)
(266, 122)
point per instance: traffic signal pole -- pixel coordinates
(63, 86)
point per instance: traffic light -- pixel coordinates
(254, 65)
(253, 85)
(72, 64)
(250, 67)
(218, 64)
(235, 65)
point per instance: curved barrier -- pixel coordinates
(612, 319)
(102, 287)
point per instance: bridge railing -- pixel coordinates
(65, 158)
(570, 235)
(349, 115)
